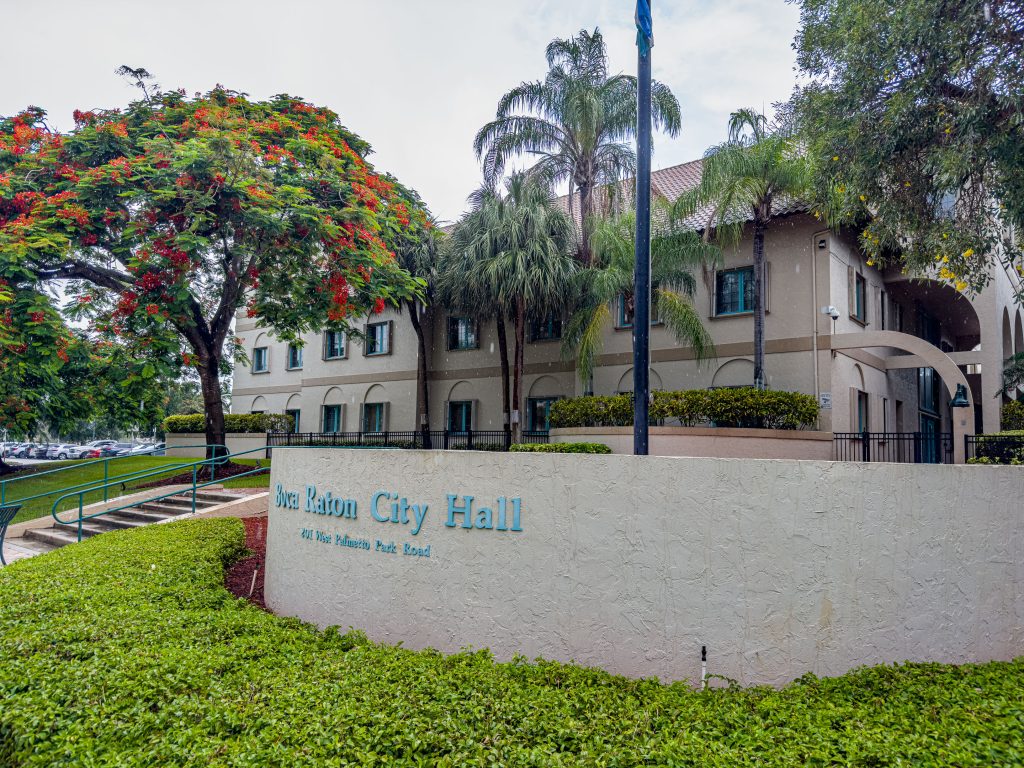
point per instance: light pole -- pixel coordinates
(642, 270)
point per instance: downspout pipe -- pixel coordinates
(814, 304)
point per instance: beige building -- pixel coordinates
(340, 384)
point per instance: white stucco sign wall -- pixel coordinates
(633, 563)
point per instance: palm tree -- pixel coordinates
(416, 249)
(744, 179)
(461, 283)
(513, 249)
(674, 253)
(578, 122)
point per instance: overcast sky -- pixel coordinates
(414, 78)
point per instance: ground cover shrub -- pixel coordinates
(744, 407)
(233, 422)
(126, 650)
(560, 448)
(1011, 417)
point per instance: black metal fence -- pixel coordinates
(995, 449)
(470, 440)
(905, 447)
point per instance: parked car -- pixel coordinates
(86, 451)
(20, 451)
(117, 449)
(39, 451)
(150, 449)
(63, 451)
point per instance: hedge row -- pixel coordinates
(560, 448)
(746, 407)
(1003, 448)
(126, 650)
(233, 422)
(1012, 416)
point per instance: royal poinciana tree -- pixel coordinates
(170, 215)
(53, 376)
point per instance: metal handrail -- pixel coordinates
(106, 474)
(213, 462)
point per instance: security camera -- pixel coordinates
(830, 311)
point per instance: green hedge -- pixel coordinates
(1003, 448)
(560, 448)
(233, 422)
(745, 407)
(125, 650)
(1012, 416)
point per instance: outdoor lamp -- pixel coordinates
(960, 398)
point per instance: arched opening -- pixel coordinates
(544, 392)
(1007, 335)
(332, 411)
(1018, 335)
(293, 408)
(734, 373)
(626, 381)
(375, 410)
(259, 405)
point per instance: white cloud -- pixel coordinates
(416, 79)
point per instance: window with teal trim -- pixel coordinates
(462, 333)
(294, 357)
(259, 360)
(538, 413)
(546, 329)
(334, 345)
(373, 417)
(734, 291)
(460, 415)
(295, 418)
(331, 418)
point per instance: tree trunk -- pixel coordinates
(586, 213)
(517, 379)
(213, 405)
(759, 374)
(422, 386)
(506, 409)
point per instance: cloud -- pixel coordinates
(416, 79)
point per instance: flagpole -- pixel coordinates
(642, 273)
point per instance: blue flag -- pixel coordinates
(644, 27)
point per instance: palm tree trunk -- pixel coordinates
(586, 214)
(503, 354)
(422, 386)
(517, 380)
(759, 374)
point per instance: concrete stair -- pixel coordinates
(145, 513)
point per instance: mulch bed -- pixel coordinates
(238, 578)
(224, 471)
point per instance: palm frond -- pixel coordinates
(678, 314)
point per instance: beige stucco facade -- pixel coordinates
(809, 268)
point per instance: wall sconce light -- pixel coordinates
(960, 398)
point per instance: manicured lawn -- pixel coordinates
(251, 481)
(126, 650)
(88, 471)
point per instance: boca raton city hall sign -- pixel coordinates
(391, 508)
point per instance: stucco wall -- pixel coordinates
(189, 445)
(713, 442)
(632, 563)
